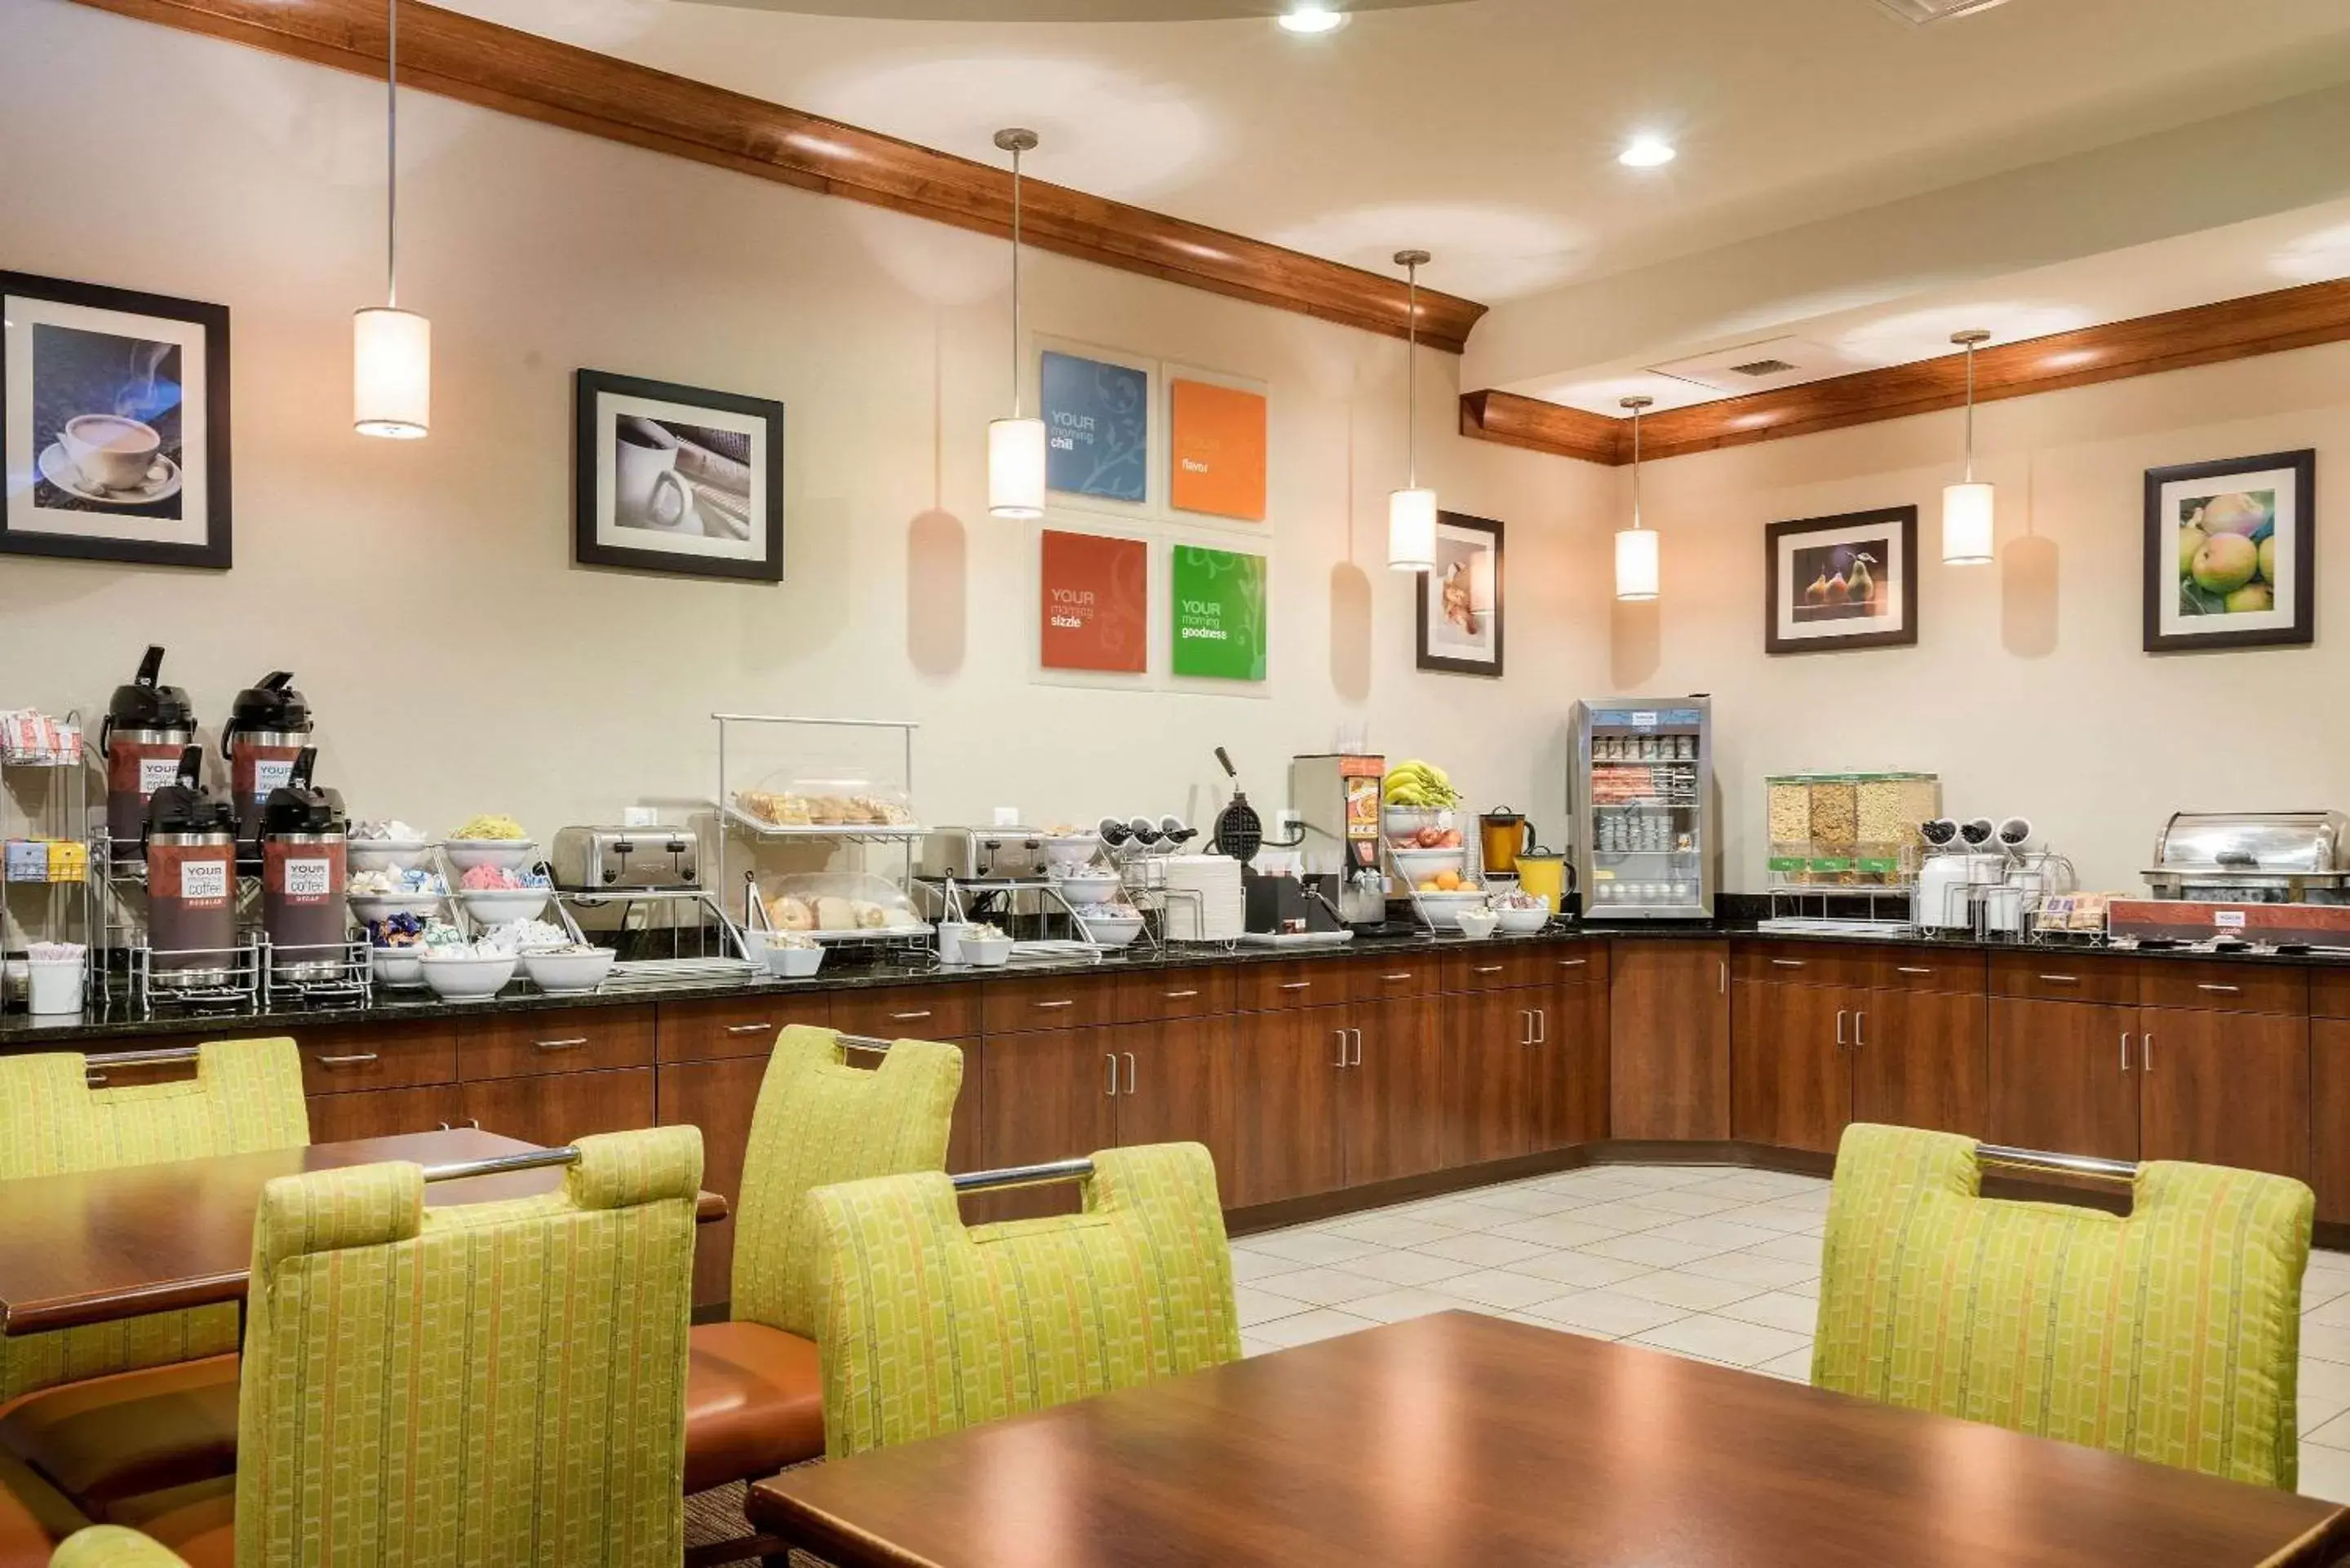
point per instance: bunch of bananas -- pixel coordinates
(1418, 783)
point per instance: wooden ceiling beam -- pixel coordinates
(513, 72)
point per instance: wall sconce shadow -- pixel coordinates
(938, 572)
(2027, 597)
(1350, 632)
(1635, 641)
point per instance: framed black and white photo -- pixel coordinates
(1842, 581)
(2230, 554)
(1461, 601)
(677, 479)
(114, 435)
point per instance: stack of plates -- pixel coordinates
(1205, 903)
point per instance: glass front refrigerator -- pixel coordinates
(1640, 790)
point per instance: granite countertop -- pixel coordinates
(21, 1032)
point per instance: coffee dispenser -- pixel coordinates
(268, 726)
(148, 726)
(191, 850)
(305, 862)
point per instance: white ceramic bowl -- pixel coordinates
(398, 969)
(1478, 924)
(993, 954)
(388, 854)
(1110, 931)
(468, 979)
(1072, 849)
(792, 963)
(1401, 820)
(1522, 922)
(512, 854)
(499, 906)
(1417, 865)
(1090, 887)
(1443, 910)
(383, 905)
(568, 974)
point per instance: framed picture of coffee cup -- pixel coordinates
(2231, 554)
(1461, 601)
(1845, 582)
(677, 479)
(114, 436)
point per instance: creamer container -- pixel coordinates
(267, 727)
(305, 857)
(191, 849)
(147, 726)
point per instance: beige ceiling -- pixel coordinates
(1486, 130)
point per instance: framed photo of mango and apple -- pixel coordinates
(2230, 554)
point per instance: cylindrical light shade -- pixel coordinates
(391, 373)
(1635, 563)
(1015, 468)
(1966, 524)
(1411, 530)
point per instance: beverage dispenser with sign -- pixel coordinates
(1336, 798)
(268, 725)
(148, 726)
(1640, 786)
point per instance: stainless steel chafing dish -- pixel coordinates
(2252, 857)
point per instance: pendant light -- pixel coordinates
(1411, 510)
(1967, 506)
(1636, 547)
(1015, 446)
(391, 348)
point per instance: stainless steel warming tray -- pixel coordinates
(2252, 857)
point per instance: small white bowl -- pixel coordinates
(993, 954)
(383, 905)
(1072, 849)
(1417, 865)
(1443, 910)
(1399, 820)
(388, 854)
(398, 969)
(1110, 931)
(1522, 922)
(1478, 924)
(500, 906)
(1088, 887)
(468, 979)
(510, 854)
(568, 974)
(792, 963)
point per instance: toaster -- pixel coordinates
(600, 859)
(984, 854)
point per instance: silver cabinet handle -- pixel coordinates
(353, 1060)
(1181, 995)
(748, 1028)
(474, 1123)
(2062, 979)
(1787, 963)
(2125, 1039)
(573, 1044)
(2146, 1051)
(910, 1017)
(1724, 965)
(1400, 974)
(1110, 1059)
(1487, 968)
(1860, 1017)
(1542, 1025)
(1050, 1006)
(1840, 1012)
(1296, 984)
(1358, 1045)
(1342, 1047)
(1129, 1071)
(1573, 963)
(1911, 969)
(1525, 1025)
(446, 1127)
(2222, 989)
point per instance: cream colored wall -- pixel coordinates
(422, 592)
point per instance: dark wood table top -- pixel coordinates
(1463, 1442)
(109, 1244)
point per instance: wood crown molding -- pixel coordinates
(2146, 345)
(482, 63)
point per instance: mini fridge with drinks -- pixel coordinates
(1641, 792)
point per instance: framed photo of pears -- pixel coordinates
(113, 424)
(2230, 554)
(1842, 581)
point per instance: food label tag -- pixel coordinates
(269, 775)
(203, 879)
(309, 878)
(1642, 720)
(2234, 918)
(155, 773)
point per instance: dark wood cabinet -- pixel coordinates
(1285, 1124)
(1176, 1087)
(718, 1098)
(1668, 1040)
(1919, 1059)
(1488, 1057)
(1791, 1072)
(2063, 1076)
(1570, 1056)
(381, 1113)
(555, 1107)
(2329, 1112)
(2224, 1088)
(1049, 1094)
(1392, 1092)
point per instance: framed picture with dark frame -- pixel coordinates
(1461, 601)
(677, 479)
(1843, 582)
(114, 424)
(2231, 554)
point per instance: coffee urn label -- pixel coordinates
(309, 878)
(201, 880)
(155, 773)
(269, 775)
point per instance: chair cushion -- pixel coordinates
(106, 1438)
(196, 1521)
(754, 1403)
(33, 1517)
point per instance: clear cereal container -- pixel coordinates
(1848, 829)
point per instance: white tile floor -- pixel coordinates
(1714, 1262)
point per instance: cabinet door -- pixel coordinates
(555, 1107)
(1177, 1087)
(1487, 1047)
(718, 1098)
(1570, 1064)
(1049, 1094)
(1393, 1095)
(1285, 1125)
(1919, 1059)
(381, 1113)
(1668, 1034)
(2063, 1077)
(1791, 1076)
(2224, 1088)
(2329, 1078)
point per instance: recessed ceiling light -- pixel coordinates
(1312, 16)
(1646, 153)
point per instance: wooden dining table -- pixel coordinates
(102, 1245)
(1466, 1441)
